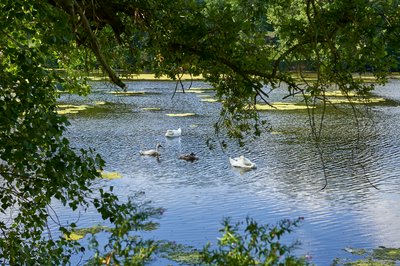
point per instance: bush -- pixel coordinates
(256, 245)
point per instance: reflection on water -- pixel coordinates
(358, 154)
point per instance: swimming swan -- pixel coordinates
(189, 157)
(152, 152)
(242, 162)
(173, 132)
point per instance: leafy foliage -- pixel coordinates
(241, 46)
(37, 164)
(257, 245)
(238, 47)
(123, 246)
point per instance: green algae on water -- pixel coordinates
(281, 106)
(179, 253)
(110, 175)
(80, 233)
(381, 256)
(181, 114)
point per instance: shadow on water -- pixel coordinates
(287, 183)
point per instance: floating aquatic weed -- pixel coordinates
(127, 93)
(80, 233)
(202, 89)
(209, 100)
(67, 111)
(339, 94)
(66, 106)
(71, 109)
(181, 115)
(179, 253)
(193, 91)
(381, 256)
(93, 108)
(110, 175)
(336, 93)
(355, 251)
(383, 253)
(357, 101)
(151, 109)
(281, 106)
(205, 96)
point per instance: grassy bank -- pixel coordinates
(304, 76)
(140, 77)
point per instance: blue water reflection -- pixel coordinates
(287, 183)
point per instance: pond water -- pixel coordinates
(358, 208)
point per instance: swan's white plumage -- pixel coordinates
(151, 152)
(173, 132)
(242, 162)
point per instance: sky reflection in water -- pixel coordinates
(286, 184)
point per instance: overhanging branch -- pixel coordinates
(96, 48)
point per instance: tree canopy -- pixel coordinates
(241, 46)
(238, 46)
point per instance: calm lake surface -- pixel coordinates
(359, 208)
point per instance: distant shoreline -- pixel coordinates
(145, 77)
(310, 76)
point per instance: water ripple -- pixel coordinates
(288, 181)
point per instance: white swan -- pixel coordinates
(242, 162)
(173, 133)
(152, 152)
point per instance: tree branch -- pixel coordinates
(96, 48)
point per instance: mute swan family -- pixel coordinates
(242, 162)
(173, 133)
(239, 162)
(152, 152)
